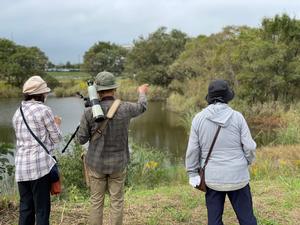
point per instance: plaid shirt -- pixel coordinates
(31, 160)
(110, 153)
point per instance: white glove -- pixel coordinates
(194, 181)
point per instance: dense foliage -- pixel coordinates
(5, 166)
(71, 169)
(104, 56)
(262, 63)
(150, 57)
(17, 63)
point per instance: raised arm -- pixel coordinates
(138, 108)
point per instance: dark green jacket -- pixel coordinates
(110, 153)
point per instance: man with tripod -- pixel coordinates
(108, 152)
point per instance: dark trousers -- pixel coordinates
(34, 201)
(241, 202)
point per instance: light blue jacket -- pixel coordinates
(234, 149)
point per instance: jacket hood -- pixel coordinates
(219, 113)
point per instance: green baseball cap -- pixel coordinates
(105, 81)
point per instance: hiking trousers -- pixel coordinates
(113, 184)
(241, 201)
(35, 201)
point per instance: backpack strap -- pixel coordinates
(110, 114)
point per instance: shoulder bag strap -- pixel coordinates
(36, 138)
(211, 147)
(110, 114)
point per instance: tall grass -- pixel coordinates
(150, 167)
(188, 95)
(289, 131)
(272, 123)
(72, 172)
(9, 91)
(128, 91)
(70, 88)
(70, 75)
(277, 161)
(8, 192)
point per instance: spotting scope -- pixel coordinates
(95, 102)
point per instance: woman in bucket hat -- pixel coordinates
(226, 172)
(32, 162)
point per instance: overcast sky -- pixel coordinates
(65, 29)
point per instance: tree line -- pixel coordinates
(262, 64)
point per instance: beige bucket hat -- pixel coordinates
(35, 85)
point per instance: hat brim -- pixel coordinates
(104, 88)
(228, 97)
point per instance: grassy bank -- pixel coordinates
(170, 200)
(275, 203)
(70, 75)
(70, 83)
(127, 90)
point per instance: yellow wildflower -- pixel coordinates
(151, 165)
(282, 162)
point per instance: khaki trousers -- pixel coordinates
(114, 184)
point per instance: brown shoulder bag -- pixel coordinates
(202, 186)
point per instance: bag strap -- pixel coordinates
(71, 138)
(211, 147)
(36, 138)
(110, 114)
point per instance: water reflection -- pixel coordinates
(157, 126)
(160, 128)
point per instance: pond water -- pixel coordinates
(157, 127)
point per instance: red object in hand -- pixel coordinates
(55, 188)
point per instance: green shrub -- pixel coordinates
(289, 131)
(150, 167)
(259, 110)
(181, 104)
(128, 91)
(188, 95)
(52, 82)
(70, 88)
(186, 120)
(72, 172)
(9, 91)
(5, 166)
(157, 93)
